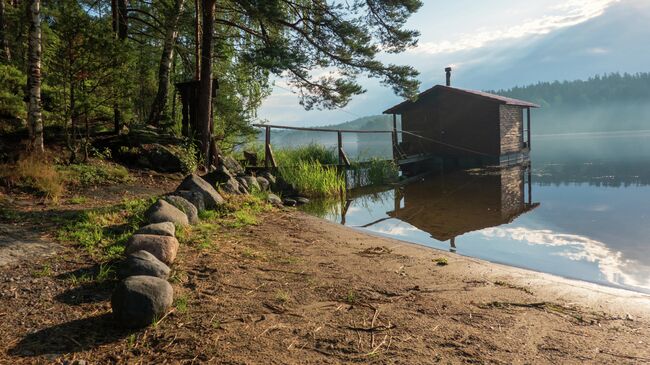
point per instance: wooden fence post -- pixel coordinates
(269, 159)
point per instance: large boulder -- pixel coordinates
(252, 183)
(289, 202)
(274, 199)
(143, 263)
(242, 182)
(164, 248)
(194, 197)
(185, 206)
(161, 158)
(161, 211)
(138, 301)
(263, 183)
(211, 197)
(159, 229)
(269, 176)
(220, 175)
(230, 187)
(233, 165)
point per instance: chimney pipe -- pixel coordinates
(448, 71)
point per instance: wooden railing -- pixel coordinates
(269, 158)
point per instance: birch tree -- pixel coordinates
(34, 117)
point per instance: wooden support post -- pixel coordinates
(343, 158)
(528, 126)
(395, 140)
(269, 159)
(530, 186)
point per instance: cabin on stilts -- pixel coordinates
(462, 128)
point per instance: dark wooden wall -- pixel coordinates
(460, 120)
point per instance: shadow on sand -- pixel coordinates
(74, 336)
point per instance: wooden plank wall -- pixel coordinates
(512, 118)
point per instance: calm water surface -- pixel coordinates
(581, 211)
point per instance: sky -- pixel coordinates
(491, 45)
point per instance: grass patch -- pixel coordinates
(77, 200)
(441, 261)
(96, 173)
(34, 174)
(181, 303)
(351, 297)
(313, 179)
(282, 296)
(250, 253)
(103, 232)
(44, 271)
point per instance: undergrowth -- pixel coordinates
(103, 232)
(313, 179)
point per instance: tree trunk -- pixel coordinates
(197, 36)
(120, 27)
(5, 53)
(34, 117)
(205, 84)
(160, 101)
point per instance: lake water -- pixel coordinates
(581, 211)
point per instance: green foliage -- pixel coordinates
(12, 84)
(103, 232)
(189, 157)
(313, 179)
(382, 171)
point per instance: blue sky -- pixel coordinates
(482, 40)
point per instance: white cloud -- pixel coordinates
(612, 265)
(569, 13)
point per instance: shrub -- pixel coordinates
(12, 81)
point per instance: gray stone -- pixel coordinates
(164, 248)
(194, 197)
(252, 183)
(268, 176)
(289, 202)
(211, 197)
(301, 200)
(263, 183)
(230, 187)
(274, 199)
(233, 165)
(242, 182)
(143, 263)
(185, 206)
(161, 211)
(251, 158)
(138, 301)
(159, 229)
(161, 158)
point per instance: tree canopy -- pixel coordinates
(105, 61)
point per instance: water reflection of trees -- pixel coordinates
(595, 174)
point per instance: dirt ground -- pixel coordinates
(298, 290)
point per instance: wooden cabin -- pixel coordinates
(462, 127)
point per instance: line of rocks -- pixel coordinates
(144, 295)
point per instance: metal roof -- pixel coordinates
(493, 97)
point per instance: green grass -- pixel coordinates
(77, 200)
(441, 261)
(181, 303)
(282, 296)
(313, 179)
(103, 232)
(44, 271)
(96, 173)
(374, 172)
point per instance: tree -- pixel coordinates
(5, 52)
(205, 83)
(171, 29)
(120, 27)
(34, 117)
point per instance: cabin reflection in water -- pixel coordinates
(451, 205)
